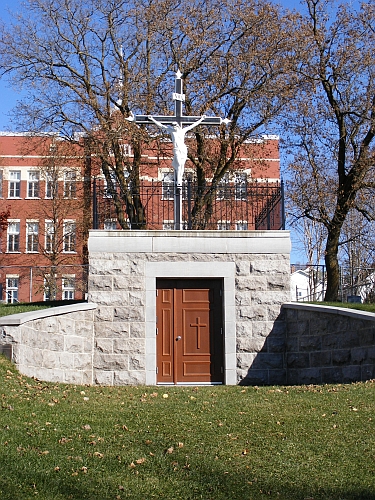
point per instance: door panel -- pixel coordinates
(189, 327)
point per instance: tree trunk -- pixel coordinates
(332, 266)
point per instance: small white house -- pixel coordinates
(306, 286)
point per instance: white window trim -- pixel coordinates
(227, 222)
(241, 222)
(33, 183)
(11, 289)
(15, 181)
(48, 223)
(32, 221)
(71, 288)
(14, 221)
(65, 234)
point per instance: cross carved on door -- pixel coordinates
(198, 325)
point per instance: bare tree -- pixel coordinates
(333, 119)
(88, 65)
(61, 215)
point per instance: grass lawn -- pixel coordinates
(6, 309)
(360, 307)
(60, 441)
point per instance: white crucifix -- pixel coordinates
(174, 125)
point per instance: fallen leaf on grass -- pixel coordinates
(165, 396)
(180, 445)
(86, 427)
(64, 440)
(98, 455)
(140, 461)
(170, 450)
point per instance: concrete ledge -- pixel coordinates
(341, 311)
(19, 319)
(222, 242)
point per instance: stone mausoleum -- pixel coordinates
(188, 307)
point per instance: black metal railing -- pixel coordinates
(254, 205)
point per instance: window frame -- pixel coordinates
(14, 184)
(69, 237)
(167, 186)
(68, 286)
(32, 236)
(70, 184)
(33, 184)
(13, 236)
(12, 291)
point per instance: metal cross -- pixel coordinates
(179, 98)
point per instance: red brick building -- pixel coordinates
(47, 187)
(42, 248)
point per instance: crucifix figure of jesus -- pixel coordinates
(174, 126)
(180, 151)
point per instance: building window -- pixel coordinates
(13, 236)
(70, 184)
(69, 241)
(12, 283)
(241, 225)
(110, 224)
(126, 149)
(51, 186)
(50, 287)
(33, 184)
(110, 186)
(32, 236)
(223, 225)
(50, 236)
(1, 183)
(168, 186)
(68, 287)
(14, 184)
(241, 186)
(223, 189)
(168, 225)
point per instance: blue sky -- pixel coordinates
(9, 97)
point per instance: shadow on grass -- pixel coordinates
(203, 483)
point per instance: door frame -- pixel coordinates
(164, 269)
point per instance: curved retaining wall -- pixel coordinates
(318, 344)
(54, 344)
(328, 344)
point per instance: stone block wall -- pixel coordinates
(54, 344)
(124, 266)
(328, 344)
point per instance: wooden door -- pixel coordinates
(189, 331)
